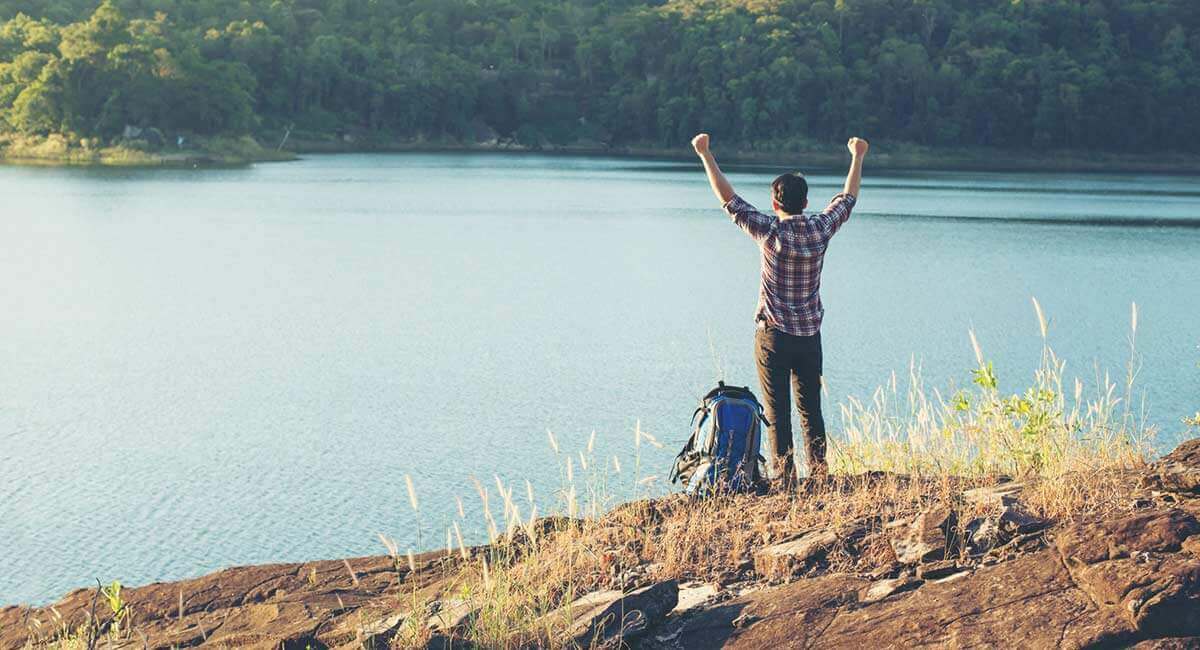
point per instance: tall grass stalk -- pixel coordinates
(1037, 432)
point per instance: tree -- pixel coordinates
(37, 108)
(1105, 74)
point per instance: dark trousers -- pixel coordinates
(791, 362)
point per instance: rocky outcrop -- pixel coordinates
(319, 604)
(789, 616)
(1106, 583)
(1132, 568)
(1026, 603)
(978, 572)
(792, 557)
(608, 619)
(925, 537)
(1178, 471)
(1121, 581)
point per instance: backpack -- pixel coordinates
(724, 455)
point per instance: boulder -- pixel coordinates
(783, 560)
(923, 538)
(984, 534)
(884, 588)
(1131, 567)
(938, 570)
(1096, 541)
(589, 605)
(1160, 596)
(1007, 519)
(607, 619)
(1014, 520)
(694, 595)
(1178, 471)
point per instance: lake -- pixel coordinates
(214, 367)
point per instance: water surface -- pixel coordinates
(205, 368)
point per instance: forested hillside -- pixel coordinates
(1113, 75)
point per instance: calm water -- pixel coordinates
(204, 368)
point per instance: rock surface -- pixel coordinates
(925, 537)
(783, 560)
(1126, 580)
(1029, 602)
(884, 588)
(618, 618)
(1121, 581)
(938, 570)
(327, 603)
(1179, 470)
(1132, 568)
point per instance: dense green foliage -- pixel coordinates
(1115, 75)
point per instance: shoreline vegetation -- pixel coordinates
(59, 151)
(232, 150)
(986, 516)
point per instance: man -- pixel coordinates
(788, 340)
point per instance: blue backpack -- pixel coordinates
(722, 457)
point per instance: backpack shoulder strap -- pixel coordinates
(689, 448)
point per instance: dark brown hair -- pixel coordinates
(790, 191)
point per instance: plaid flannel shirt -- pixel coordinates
(793, 252)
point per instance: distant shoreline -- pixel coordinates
(57, 151)
(225, 151)
(902, 157)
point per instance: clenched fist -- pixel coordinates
(700, 144)
(858, 147)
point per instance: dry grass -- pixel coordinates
(898, 452)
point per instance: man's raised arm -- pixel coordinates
(720, 184)
(750, 220)
(838, 210)
(858, 150)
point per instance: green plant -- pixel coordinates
(117, 606)
(985, 376)
(1039, 431)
